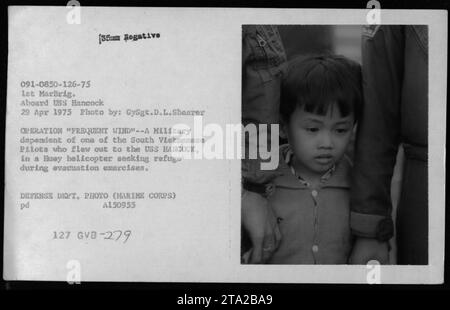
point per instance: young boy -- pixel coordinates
(320, 100)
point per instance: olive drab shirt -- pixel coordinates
(263, 62)
(395, 86)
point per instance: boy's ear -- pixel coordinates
(283, 129)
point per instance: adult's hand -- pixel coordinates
(260, 222)
(367, 249)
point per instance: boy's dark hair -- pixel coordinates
(314, 83)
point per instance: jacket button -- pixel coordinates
(314, 193)
(315, 248)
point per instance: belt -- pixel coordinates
(416, 152)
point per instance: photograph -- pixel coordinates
(236, 146)
(346, 107)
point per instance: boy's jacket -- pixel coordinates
(314, 223)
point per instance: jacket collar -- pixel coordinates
(337, 176)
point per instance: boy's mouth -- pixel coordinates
(324, 159)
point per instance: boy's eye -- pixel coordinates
(312, 129)
(342, 130)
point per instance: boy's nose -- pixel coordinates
(326, 141)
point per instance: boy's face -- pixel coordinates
(319, 141)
